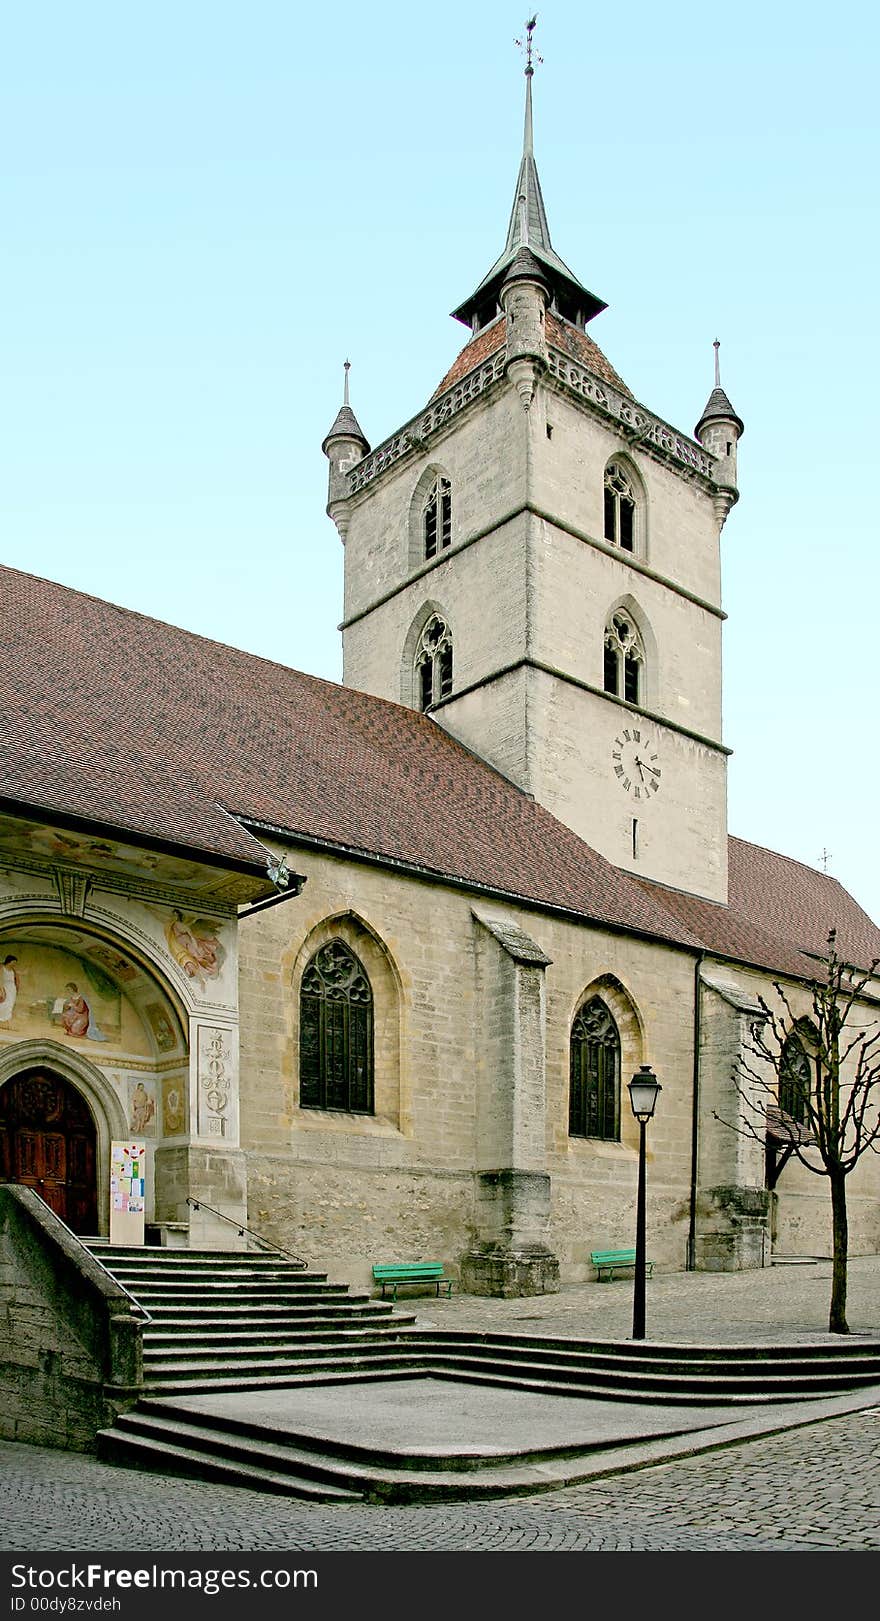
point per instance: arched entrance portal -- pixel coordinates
(48, 1142)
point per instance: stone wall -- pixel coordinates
(345, 1190)
(70, 1341)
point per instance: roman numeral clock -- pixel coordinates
(635, 761)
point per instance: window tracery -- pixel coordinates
(624, 659)
(336, 1032)
(433, 662)
(621, 507)
(594, 1068)
(794, 1078)
(437, 517)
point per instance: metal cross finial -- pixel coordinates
(825, 857)
(527, 46)
(716, 346)
(347, 367)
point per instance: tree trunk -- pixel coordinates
(837, 1323)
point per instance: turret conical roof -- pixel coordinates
(718, 407)
(346, 425)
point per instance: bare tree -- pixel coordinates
(814, 1082)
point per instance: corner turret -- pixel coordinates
(719, 431)
(524, 296)
(344, 445)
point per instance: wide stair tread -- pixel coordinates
(121, 1446)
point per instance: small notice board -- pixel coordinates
(127, 1192)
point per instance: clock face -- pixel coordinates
(636, 762)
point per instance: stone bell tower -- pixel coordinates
(534, 558)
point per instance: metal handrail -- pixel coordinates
(142, 1310)
(199, 1204)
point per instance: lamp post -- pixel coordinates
(643, 1089)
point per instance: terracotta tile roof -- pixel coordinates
(777, 911)
(561, 335)
(124, 720)
(127, 722)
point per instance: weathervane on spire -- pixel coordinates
(716, 346)
(527, 46)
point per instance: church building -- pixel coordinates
(368, 967)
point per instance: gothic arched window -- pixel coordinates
(794, 1079)
(594, 1090)
(624, 659)
(433, 663)
(437, 517)
(621, 508)
(336, 1033)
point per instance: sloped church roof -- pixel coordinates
(126, 723)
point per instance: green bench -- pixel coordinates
(420, 1272)
(609, 1261)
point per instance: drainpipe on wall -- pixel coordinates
(691, 1264)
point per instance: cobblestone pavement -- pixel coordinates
(815, 1488)
(776, 1304)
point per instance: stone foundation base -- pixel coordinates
(733, 1230)
(509, 1274)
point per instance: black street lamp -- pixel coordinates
(643, 1089)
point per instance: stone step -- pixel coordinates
(267, 1317)
(152, 1254)
(313, 1333)
(263, 1277)
(225, 1294)
(335, 1358)
(824, 1361)
(223, 1332)
(171, 1457)
(158, 1430)
(234, 1380)
(833, 1346)
(547, 1377)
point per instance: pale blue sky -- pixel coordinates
(208, 206)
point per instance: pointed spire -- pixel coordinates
(528, 228)
(718, 406)
(346, 425)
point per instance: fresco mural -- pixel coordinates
(173, 1107)
(9, 984)
(162, 1027)
(142, 1109)
(194, 945)
(77, 849)
(67, 985)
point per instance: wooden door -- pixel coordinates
(47, 1142)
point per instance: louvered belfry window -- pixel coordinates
(594, 1094)
(437, 517)
(336, 1033)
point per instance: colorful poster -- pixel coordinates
(127, 1192)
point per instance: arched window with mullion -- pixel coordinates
(795, 1076)
(621, 508)
(437, 517)
(433, 662)
(594, 1086)
(336, 1033)
(623, 671)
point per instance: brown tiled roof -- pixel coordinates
(560, 334)
(778, 910)
(126, 721)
